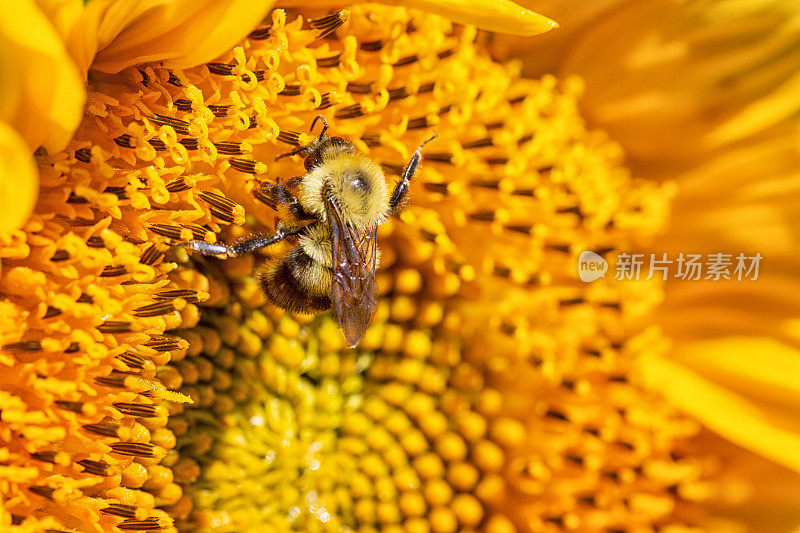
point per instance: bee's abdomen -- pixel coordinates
(291, 284)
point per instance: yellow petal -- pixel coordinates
(180, 32)
(502, 16)
(19, 180)
(674, 80)
(760, 368)
(42, 92)
(723, 411)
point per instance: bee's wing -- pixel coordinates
(352, 291)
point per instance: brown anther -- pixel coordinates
(45, 492)
(113, 270)
(174, 80)
(243, 165)
(95, 242)
(162, 343)
(445, 53)
(166, 230)
(158, 144)
(148, 524)
(351, 111)
(75, 407)
(23, 347)
(217, 200)
(180, 126)
(103, 429)
(151, 255)
(525, 229)
(183, 104)
(154, 309)
(290, 90)
(508, 328)
(219, 110)
(441, 157)
(75, 199)
(133, 360)
(391, 168)
(120, 509)
(114, 380)
(289, 137)
(115, 326)
(330, 61)
(329, 23)
(178, 185)
(372, 46)
(483, 216)
(440, 188)
(222, 69)
(85, 299)
(408, 60)
(47, 457)
(228, 148)
(119, 192)
(259, 34)
(97, 468)
(190, 295)
(326, 101)
(139, 410)
(563, 248)
(360, 87)
(60, 255)
(420, 123)
(125, 140)
(480, 143)
(485, 183)
(502, 271)
(134, 449)
(84, 155)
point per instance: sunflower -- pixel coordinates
(150, 389)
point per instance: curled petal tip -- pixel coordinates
(503, 16)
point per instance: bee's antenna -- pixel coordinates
(429, 139)
(324, 125)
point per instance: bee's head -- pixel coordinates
(355, 183)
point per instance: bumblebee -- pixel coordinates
(342, 200)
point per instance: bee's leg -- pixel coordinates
(293, 152)
(282, 195)
(242, 247)
(401, 189)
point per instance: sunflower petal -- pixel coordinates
(42, 91)
(721, 410)
(672, 81)
(503, 16)
(131, 32)
(19, 180)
